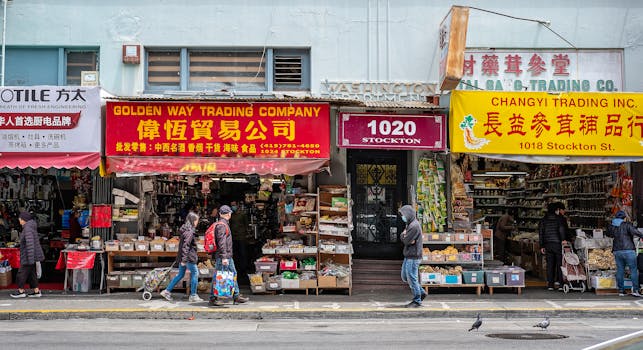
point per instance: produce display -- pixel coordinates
(451, 270)
(602, 259)
(431, 195)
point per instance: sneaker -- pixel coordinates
(195, 299)
(18, 294)
(240, 299)
(413, 304)
(423, 296)
(34, 295)
(636, 294)
(215, 302)
(621, 293)
(167, 295)
(550, 288)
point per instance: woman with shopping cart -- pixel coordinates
(187, 258)
(624, 250)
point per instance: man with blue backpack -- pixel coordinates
(223, 256)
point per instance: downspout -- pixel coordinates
(4, 36)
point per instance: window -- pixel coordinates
(77, 62)
(249, 70)
(227, 70)
(164, 68)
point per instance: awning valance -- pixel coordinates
(23, 160)
(133, 166)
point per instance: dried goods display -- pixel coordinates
(431, 195)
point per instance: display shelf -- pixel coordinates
(429, 242)
(478, 287)
(451, 262)
(572, 177)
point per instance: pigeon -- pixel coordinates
(543, 324)
(476, 324)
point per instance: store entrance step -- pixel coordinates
(373, 272)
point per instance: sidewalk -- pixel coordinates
(364, 303)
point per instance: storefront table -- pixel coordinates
(142, 253)
(81, 259)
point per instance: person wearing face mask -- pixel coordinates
(239, 225)
(412, 239)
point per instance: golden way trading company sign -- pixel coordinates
(571, 124)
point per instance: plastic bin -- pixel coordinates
(473, 277)
(266, 266)
(515, 277)
(495, 278)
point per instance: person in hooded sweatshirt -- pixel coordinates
(412, 239)
(624, 250)
(187, 257)
(30, 253)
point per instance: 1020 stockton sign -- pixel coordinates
(526, 123)
(388, 131)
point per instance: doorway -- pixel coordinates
(378, 189)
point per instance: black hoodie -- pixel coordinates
(412, 235)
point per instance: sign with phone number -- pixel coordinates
(398, 132)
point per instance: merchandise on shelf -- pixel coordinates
(431, 195)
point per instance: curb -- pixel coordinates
(371, 313)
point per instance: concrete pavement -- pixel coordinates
(363, 303)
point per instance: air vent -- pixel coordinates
(288, 70)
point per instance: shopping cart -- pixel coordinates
(574, 277)
(153, 280)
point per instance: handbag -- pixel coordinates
(38, 269)
(223, 282)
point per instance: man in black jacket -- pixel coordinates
(552, 232)
(624, 250)
(412, 239)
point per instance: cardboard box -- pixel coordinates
(326, 281)
(473, 277)
(112, 246)
(289, 283)
(305, 284)
(343, 282)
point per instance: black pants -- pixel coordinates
(554, 255)
(27, 274)
(240, 254)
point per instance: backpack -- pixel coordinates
(210, 242)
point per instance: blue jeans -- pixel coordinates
(626, 258)
(194, 278)
(410, 270)
(218, 265)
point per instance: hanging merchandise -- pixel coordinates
(431, 195)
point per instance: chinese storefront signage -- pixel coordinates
(453, 39)
(569, 124)
(377, 131)
(256, 130)
(543, 70)
(50, 120)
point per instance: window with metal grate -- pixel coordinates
(288, 70)
(164, 68)
(237, 70)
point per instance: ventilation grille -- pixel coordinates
(288, 70)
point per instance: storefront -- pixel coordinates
(171, 157)
(50, 141)
(382, 150)
(517, 152)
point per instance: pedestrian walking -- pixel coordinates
(552, 234)
(624, 250)
(223, 255)
(30, 254)
(187, 258)
(412, 239)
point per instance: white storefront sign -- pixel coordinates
(378, 91)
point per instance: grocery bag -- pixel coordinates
(223, 285)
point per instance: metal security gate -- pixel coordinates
(378, 189)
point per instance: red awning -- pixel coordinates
(60, 160)
(127, 166)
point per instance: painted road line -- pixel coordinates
(553, 304)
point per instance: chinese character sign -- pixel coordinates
(50, 119)
(256, 130)
(571, 124)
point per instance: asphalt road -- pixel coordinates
(305, 334)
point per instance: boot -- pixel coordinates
(215, 302)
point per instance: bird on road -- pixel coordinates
(543, 324)
(476, 324)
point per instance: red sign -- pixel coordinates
(185, 129)
(384, 131)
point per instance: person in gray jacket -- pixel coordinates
(30, 253)
(624, 250)
(412, 239)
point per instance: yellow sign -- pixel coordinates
(539, 123)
